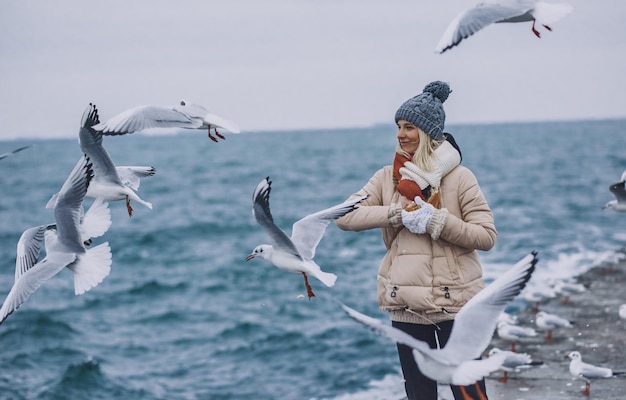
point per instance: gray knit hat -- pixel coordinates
(426, 109)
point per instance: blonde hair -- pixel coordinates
(425, 156)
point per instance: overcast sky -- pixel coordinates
(293, 64)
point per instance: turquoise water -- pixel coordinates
(182, 314)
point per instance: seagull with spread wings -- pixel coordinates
(65, 244)
(295, 254)
(185, 115)
(480, 16)
(457, 363)
(110, 183)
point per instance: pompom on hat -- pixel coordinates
(426, 109)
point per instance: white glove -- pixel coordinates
(417, 221)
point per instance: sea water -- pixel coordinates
(182, 315)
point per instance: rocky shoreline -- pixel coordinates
(598, 334)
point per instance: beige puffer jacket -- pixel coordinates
(421, 279)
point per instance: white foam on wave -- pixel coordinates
(390, 387)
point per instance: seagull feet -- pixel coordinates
(466, 396)
(481, 396)
(88, 242)
(219, 135)
(549, 336)
(587, 389)
(547, 27)
(309, 289)
(128, 207)
(535, 31)
(565, 300)
(464, 393)
(504, 378)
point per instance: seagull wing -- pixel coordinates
(593, 371)
(96, 221)
(10, 153)
(474, 19)
(307, 232)
(388, 331)
(32, 279)
(261, 210)
(131, 175)
(144, 117)
(90, 142)
(68, 209)
(475, 322)
(219, 122)
(29, 248)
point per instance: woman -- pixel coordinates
(431, 268)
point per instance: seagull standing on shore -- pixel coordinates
(619, 191)
(185, 115)
(514, 333)
(512, 362)
(578, 368)
(478, 17)
(537, 294)
(471, 333)
(64, 245)
(566, 288)
(296, 254)
(550, 322)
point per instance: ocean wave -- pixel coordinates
(86, 380)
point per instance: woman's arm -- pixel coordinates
(475, 229)
(372, 213)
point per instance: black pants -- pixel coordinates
(417, 386)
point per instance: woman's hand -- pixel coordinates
(406, 202)
(417, 221)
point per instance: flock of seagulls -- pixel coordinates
(459, 362)
(508, 329)
(68, 240)
(65, 244)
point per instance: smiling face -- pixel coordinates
(408, 136)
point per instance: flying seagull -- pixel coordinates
(471, 333)
(619, 191)
(478, 17)
(64, 245)
(185, 115)
(295, 254)
(109, 183)
(10, 153)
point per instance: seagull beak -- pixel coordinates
(250, 257)
(567, 357)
